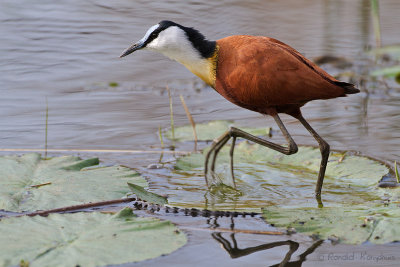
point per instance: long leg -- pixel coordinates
(235, 132)
(217, 149)
(221, 140)
(231, 159)
(324, 148)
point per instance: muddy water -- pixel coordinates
(67, 52)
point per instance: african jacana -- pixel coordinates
(258, 73)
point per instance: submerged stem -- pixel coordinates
(376, 21)
(160, 136)
(46, 130)
(171, 112)
(191, 121)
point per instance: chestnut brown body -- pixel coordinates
(262, 74)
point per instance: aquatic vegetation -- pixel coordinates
(86, 239)
(113, 84)
(283, 186)
(190, 118)
(30, 183)
(65, 181)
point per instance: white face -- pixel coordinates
(168, 38)
(173, 43)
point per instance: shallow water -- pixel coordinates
(67, 52)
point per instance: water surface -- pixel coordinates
(67, 52)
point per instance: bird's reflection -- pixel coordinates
(235, 252)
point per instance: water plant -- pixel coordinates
(171, 112)
(190, 118)
(46, 130)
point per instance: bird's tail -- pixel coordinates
(348, 87)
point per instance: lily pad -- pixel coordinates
(352, 225)
(210, 131)
(387, 72)
(86, 239)
(284, 185)
(355, 169)
(30, 183)
(267, 178)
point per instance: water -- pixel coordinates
(67, 44)
(67, 52)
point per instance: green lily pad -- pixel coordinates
(30, 183)
(86, 239)
(387, 72)
(352, 225)
(210, 131)
(355, 169)
(113, 84)
(284, 186)
(150, 197)
(267, 178)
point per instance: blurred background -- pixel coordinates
(67, 52)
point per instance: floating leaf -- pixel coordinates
(85, 239)
(150, 197)
(352, 225)
(69, 181)
(284, 186)
(360, 171)
(397, 77)
(113, 84)
(210, 131)
(387, 72)
(267, 178)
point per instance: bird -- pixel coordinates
(258, 73)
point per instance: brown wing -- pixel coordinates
(260, 72)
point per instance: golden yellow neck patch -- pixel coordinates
(206, 68)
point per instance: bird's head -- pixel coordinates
(174, 41)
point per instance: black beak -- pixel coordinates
(132, 49)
